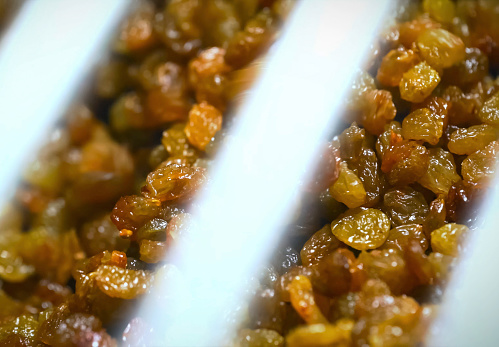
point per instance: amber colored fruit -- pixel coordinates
(207, 76)
(490, 111)
(204, 122)
(361, 84)
(378, 110)
(165, 105)
(469, 140)
(322, 243)
(112, 79)
(463, 108)
(348, 188)
(131, 212)
(395, 64)
(137, 32)
(80, 123)
(389, 266)
(100, 235)
(152, 251)
(405, 206)
(470, 70)
(438, 106)
(361, 159)
(327, 168)
(175, 142)
(480, 166)
(423, 125)
(464, 201)
(447, 239)
(401, 236)
(173, 181)
(259, 338)
(208, 63)
(12, 268)
(418, 83)
(332, 275)
(321, 335)
(440, 10)
(302, 299)
(364, 228)
(405, 162)
(117, 282)
(410, 31)
(441, 173)
(65, 328)
(384, 140)
(440, 48)
(436, 216)
(247, 44)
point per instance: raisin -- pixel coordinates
(332, 275)
(363, 228)
(440, 48)
(400, 237)
(204, 122)
(489, 113)
(137, 32)
(418, 83)
(469, 140)
(405, 162)
(424, 125)
(131, 212)
(173, 181)
(395, 64)
(405, 206)
(410, 31)
(378, 111)
(246, 45)
(117, 282)
(302, 299)
(259, 338)
(152, 251)
(447, 239)
(440, 10)
(100, 235)
(441, 172)
(480, 166)
(322, 243)
(472, 69)
(321, 335)
(348, 188)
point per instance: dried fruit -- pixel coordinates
(441, 173)
(322, 243)
(447, 239)
(418, 83)
(423, 125)
(490, 111)
(480, 166)
(440, 48)
(395, 64)
(348, 188)
(363, 228)
(173, 181)
(204, 122)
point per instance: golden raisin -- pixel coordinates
(395, 64)
(348, 188)
(418, 83)
(204, 122)
(447, 239)
(364, 228)
(424, 125)
(440, 48)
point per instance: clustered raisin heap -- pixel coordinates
(379, 227)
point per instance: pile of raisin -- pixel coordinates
(379, 229)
